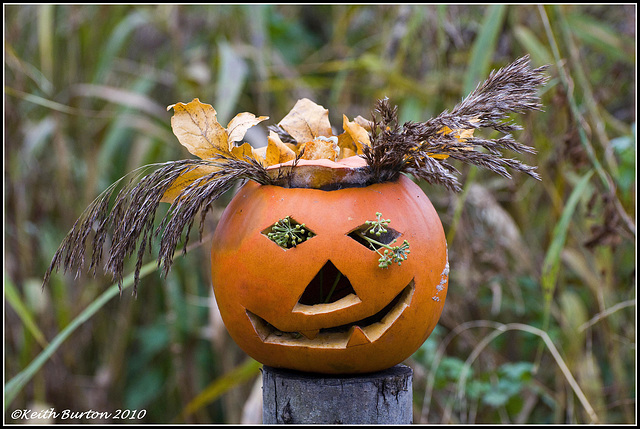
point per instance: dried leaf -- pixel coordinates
(347, 152)
(239, 125)
(463, 134)
(459, 133)
(346, 145)
(358, 134)
(261, 154)
(198, 130)
(295, 148)
(244, 152)
(277, 152)
(437, 155)
(184, 180)
(364, 123)
(306, 121)
(321, 148)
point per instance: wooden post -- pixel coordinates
(383, 397)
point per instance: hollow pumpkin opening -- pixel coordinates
(288, 233)
(358, 332)
(362, 231)
(329, 285)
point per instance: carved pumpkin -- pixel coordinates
(326, 305)
(295, 269)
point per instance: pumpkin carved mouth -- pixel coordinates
(363, 331)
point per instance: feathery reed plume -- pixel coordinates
(132, 215)
(421, 148)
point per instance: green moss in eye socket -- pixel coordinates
(287, 233)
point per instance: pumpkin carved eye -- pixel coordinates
(372, 239)
(376, 234)
(288, 233)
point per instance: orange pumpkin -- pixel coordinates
(276, 302)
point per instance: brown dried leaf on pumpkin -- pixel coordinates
(239, 125)
(306, 121)
(196, 127)
(364, 123)
(184, 180)
(244, 151)
(459, 133)
(321, 148)
(358, 134)
(277, 152)
(347, 146)
(261, 153)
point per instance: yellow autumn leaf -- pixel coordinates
(346, 145)
(239, 125)
(321, 148)
(294, 147)
(438, 155)
(261, 154)
(277, 152)
(364, 123)
(347, 152)
(196, 127)
(244, 151)
(459, 133)
(464, 134)
(306, 121)
(358, 134)
(184, 180)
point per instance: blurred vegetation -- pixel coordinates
(539, 324)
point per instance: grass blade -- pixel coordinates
(116, 41)
(232, 74)
(45, 39)
(530, 43)
(15, 385)
(551, 263)
(483, 47)
(602, 37)
(13, 298)
(222, 384)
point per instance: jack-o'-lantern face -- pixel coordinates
(325, 305)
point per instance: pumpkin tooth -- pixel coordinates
(310, 335)
(357, 337)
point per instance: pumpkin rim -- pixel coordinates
(323, 174)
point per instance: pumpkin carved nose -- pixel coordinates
(328, 286)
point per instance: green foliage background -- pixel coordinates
(539, 324)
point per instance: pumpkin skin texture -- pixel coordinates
(259, 286)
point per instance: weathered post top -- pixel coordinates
(383, 397)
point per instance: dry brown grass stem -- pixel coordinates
(420, 148)
(131, 218)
